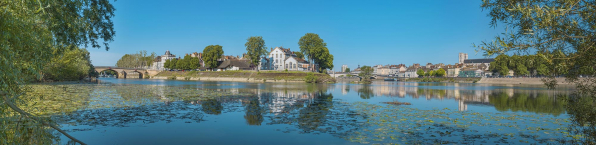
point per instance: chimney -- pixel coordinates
(271, 48)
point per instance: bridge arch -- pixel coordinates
(106, 70)
(128, 72)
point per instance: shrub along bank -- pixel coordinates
(265, 76)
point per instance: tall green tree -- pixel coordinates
(194, 63)
(210, 55)
(420, 72)
(440, 73)
(183, 63)
(313, 47)
(174, 63)
(30, 32)
(299, 54)
(347, 70)
(365, 73)
(563, 32)
(255, 48)
(71, 65)
(167, 64)
(137, 60)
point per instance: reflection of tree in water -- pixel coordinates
(366, 92)
(313, 115)
(253, 114)
(319, 115)
(211, 106)
(582, 109)
(540, 103)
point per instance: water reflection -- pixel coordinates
(502, 98)
(300, 108)
(253, 115)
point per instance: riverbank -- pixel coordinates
(517, 81)
(442, 79)
(243, 76)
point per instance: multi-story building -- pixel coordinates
(344, 67)
(480, 63)
(462, 57)
(411, 71)
(284, 59)
(158, 64)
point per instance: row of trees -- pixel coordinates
(439, 73)
(137, 60)
(311, 46)
(186, 63)
(529, 65)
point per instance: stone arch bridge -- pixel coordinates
(128, 72)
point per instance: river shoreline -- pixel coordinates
(244, 76)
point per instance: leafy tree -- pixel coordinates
(255, 48)
(347, 70)
(365, 74)
(174, 64)
(310, 78)
(500, 65)
(440, 73)
(194, 63)
(521, 70)
(420, 72)
(299, 54)
(563, 32)
(210, 55)
(431, 73)
(30, 33)
(542, 70)
(503, 70)
(313, 47)
(137, 60)
(324, 59)
(72, 64)
(183, 63)
(167, 64)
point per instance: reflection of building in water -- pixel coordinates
(279, 102)
(461, 105)
(463, 94)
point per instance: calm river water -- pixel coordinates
(145, 111)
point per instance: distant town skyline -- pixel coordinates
(356, 33)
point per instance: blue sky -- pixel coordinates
(356, 32)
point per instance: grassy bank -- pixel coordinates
(443, 79)
(265, 76)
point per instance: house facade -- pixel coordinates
(283, 58)
(480, 63)
(234, 64)
(158, 64)
(453, 72)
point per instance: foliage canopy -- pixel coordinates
(210, 55)
(562, 32)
